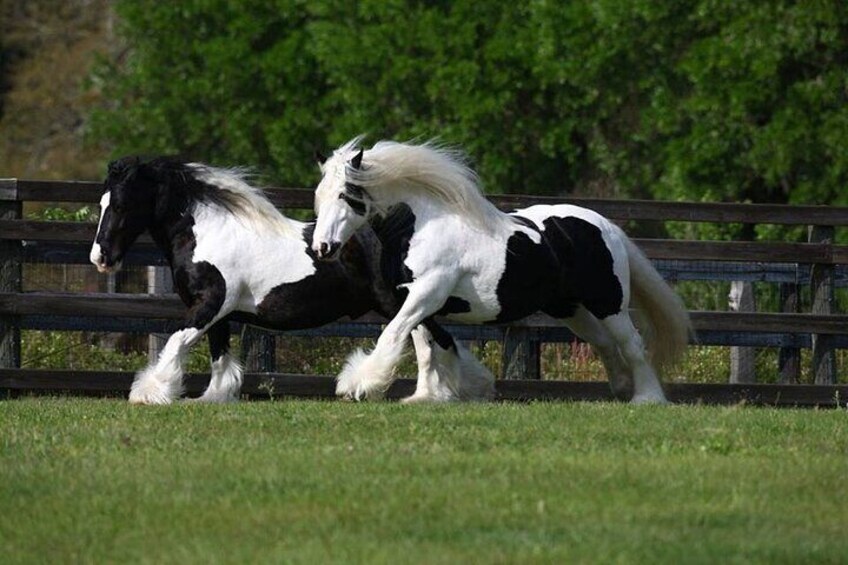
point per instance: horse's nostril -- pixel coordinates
(324, 249)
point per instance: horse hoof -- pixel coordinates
(416, 399)
(145, 395)
(211, 399)
(149, 390)
(649, 399)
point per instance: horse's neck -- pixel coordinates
(172, 231)
(421, 205)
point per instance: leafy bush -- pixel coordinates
(695, 100)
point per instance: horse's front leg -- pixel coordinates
(368, 376)
(226, 375)
(162, 382)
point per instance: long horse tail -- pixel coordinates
(660, 313)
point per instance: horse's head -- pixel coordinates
(342, 206)
(127, 209)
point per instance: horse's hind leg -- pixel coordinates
(646, 386)
(588, 328)
(162, 382)
(226, 375)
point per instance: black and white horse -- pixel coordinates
(463, 258)
(234, 256)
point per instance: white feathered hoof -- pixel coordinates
(363, 378)
(439, 395)
(149, 390)
(214, 397)
(477, 383)
(418, 399)
(649, 398)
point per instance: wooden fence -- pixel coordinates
(817, 263)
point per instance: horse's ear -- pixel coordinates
(356, 162)
(320, 157)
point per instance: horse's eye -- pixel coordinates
(358, 206)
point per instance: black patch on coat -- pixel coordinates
(585, 267)
(442, 338)
(527, 279)
(454, 305)
(570, 266)
(395, 231)
(355, 197)
(336, 288)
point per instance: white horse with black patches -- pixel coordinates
(465, 259)
(235, 257)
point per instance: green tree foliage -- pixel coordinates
(694, 100)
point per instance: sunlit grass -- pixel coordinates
(306, 482)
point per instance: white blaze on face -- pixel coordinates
(336, 220)
(96, 256)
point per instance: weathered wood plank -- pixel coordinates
(9, 190)
(822, 253)
(520, 355)
(56, 252)
(169, 307)
(720, 212)
(59, 191)
(76, 253)
(360, 329)
(302, 198)
(789, 358)
(92, 304)
(10, 282)
(264, 385)
(822, 286)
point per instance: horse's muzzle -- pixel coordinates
(99, 260)
(106, 268)
(326, 251)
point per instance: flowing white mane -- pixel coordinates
(436, 171)
(245, 201)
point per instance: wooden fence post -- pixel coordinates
(258, 350)
(159, 281)
(742, 366)
(822, 284)
(789, 358)
(10, 276)
(520, 359)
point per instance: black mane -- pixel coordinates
(175, 176)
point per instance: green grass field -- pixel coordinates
(92, 480)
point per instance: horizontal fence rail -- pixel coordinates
(301, 198)
(265, 386)
(818, 263)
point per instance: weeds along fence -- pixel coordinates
(813, 269)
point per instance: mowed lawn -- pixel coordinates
(94, 480)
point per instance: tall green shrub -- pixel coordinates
(695, 100)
